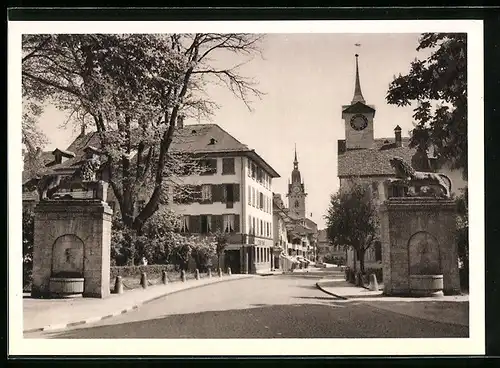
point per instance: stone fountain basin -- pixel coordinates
(66, 286)
(426, 285)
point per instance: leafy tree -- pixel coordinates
(28, 241)
(221, 241)
(133, 88)
(352, 220)
(438, 84)
(203, 248)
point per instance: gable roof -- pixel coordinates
(373, 161)
(193, 138)
(358, 107)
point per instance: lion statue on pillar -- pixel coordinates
(421, 183)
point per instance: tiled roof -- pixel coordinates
(196, 138)
(374, 161)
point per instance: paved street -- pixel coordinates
(286, 306)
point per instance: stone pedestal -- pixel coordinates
(72, 240)
(418, 238)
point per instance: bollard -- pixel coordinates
(144, 280)
(118, 285)
(229, 271)
(183, 276)
(373, 282)
(220, 272)
(209, 273)
(164, 277)
(197, 274)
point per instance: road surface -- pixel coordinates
(285, 306)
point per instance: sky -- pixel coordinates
(306, 79)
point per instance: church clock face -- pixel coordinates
(296, 189)
(359, 122)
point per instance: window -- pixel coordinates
(249, 224)
(208, 166)
(228, 166)
(249, 168)
(206, 222)
(254, 171)
(253, 225)
(228, 223)
(297, 204)
(254, 200)
(261, 200)
(229, 193)
(185, 224)
(261, 228)
(206, 192)
(249, 195)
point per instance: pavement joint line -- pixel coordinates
(61, 326)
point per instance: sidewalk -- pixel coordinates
(453, 309)
(345, 290)
(54, 314)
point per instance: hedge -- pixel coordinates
(152, 271)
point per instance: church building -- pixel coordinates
(362, 156)
(303, 232)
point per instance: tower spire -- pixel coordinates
(295, 161)
(358, 96)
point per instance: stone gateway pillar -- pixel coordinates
(71, 252)
(419, 250)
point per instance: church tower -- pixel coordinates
(296, 191)
(358, 118)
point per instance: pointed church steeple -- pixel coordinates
(295, 161)
(358, 96)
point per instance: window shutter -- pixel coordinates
(237, 223)
(218, 223)
(236, 192)
(223, 193)
(195, 224)
(249, 195)
(213, 225)
(197, 193)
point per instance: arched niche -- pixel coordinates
(423, 254)
(68, 256)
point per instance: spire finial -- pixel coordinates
(358, 96)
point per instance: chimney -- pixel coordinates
(180, 121)
(397, 134)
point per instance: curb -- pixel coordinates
(62, 326)
(330, 293)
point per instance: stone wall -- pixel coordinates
(414, 232)
(60, 226)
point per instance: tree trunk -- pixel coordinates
(362, 260)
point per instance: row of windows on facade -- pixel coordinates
(209, 166)
(258, 174)
(205, 224)
(259, 200)
(208, 193)
(262, 254)
(259, 227)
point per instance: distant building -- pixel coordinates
(303, 231)
(362, 156)
(326, 249)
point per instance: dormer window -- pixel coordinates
(193, 131)
(212, 141)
